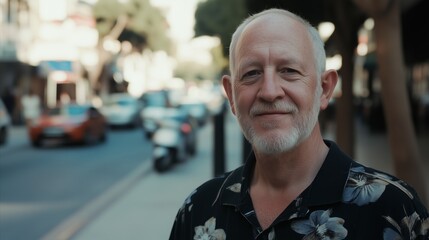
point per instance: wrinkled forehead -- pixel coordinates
(274, 31)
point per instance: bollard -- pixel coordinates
(219, 143)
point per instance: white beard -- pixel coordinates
(282, 141)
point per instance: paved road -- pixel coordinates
(41, 187)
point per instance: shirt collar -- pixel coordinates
(326, 188)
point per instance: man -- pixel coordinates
(295, 185)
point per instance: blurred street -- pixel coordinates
(73, 69)
(41, 187)
(110, 191)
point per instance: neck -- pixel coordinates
(292, 171)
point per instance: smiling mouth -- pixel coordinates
(262, 114)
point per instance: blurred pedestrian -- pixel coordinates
(31, 106)
(8, 98)
(64, 98)
(295, 184)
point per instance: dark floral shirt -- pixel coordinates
(346, 200)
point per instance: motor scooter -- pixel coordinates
(173, 141)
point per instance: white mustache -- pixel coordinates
(279, 106)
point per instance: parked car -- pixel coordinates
(4, 123)
(197, 110)
(69, 123)
(122, 110)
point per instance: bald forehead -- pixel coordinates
(279, 21)
(274, 26)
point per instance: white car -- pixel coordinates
(197, 109)
(122, 109)
(4, 123)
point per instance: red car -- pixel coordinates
(70, 123)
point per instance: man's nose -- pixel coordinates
(270, 89)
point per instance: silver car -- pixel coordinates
(122, 109)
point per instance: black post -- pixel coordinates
(219, 143)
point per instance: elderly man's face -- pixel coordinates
(274, 85)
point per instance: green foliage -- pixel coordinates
(150, 22)
(106, 13)
(219, 18)
(312, 10)
(194, 71)
(146, 24)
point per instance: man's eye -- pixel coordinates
(288, 70)
(251, 73)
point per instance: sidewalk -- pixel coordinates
(148, 210)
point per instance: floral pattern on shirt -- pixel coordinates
(363, 188)
(235, 187)
(209, 231)
(409, 228)
(321, 226)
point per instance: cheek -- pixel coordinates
(298, 96)
(303, 95)
(243, 100)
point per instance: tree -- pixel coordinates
(136, 21)
(389, 52)
(219, 18)
(347, 21)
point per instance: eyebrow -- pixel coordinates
(255, 62)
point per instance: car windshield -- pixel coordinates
(126, 102)
(120, 102)
(67, 111)
(155, 99)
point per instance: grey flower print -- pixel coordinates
(363, 188)
(272, 235)
(235, 187)
(409, 228)
(321, 226)
(209, 231)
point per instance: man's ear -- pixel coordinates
(329, 81)
(227, 85)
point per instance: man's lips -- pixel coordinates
(275, 113)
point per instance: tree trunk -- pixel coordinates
(103, 55)
(345, 133)
(345, 127)
(401, 133)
